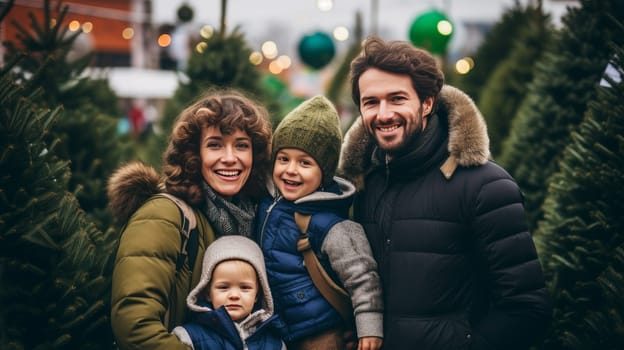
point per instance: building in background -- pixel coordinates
(119, 34)
(107, 26)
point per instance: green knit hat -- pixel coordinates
(313, 127)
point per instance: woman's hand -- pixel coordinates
(369, 343)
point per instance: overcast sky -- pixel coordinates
(286, 21)
(305, 15)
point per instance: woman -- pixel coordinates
(216, 162)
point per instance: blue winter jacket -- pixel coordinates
(298, 303)
(215, 330)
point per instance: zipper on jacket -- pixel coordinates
(384, 218)
(387, 169)
(266, 217)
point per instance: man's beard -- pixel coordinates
(409, 138)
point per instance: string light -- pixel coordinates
(164, 40)
(341, 33)
(74, 25)
(325, 5)
(255, 58)
(464, 65)
(127, 33)
(87, 27)
(269, 49)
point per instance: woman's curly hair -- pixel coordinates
(229, 110)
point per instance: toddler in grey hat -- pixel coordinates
(231, 306)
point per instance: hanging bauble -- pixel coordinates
(316, 49)
(432, 31)
(185, 13)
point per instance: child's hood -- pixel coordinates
(337, 198)
(233, 247)
(341, 189)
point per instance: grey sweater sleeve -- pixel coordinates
(351, 257)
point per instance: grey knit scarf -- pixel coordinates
(234, 217)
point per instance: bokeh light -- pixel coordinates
(275, 67)
(201, 47)
(341, 33)
(269, 49)
(127, 33)
(284, 61)
(464, 65)
(445, 27)
(74, 25)
(255, 58)
(325, 5)
(164, 40)
(206, 31)
(87, 27)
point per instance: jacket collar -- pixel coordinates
(335, 198)
(237, 332)
(468, 142)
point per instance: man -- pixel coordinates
(446, 225)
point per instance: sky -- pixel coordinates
(287, 21)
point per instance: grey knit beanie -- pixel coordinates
(234, 247)
(313, 127)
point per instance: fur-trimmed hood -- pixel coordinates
(468, 144)
(129, 187)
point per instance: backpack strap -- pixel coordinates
(336, 296)
(189, 236)
(188, 232)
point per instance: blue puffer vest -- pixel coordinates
(216, 330)
(298, 303)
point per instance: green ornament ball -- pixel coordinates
(432, 31)
(316, 50)
(185, 13)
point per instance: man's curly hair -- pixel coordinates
(229, 110)
(398, 57)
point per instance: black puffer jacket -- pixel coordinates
(447, 227)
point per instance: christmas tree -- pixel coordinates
(56, 140)
(87, 130)
(565, 81)
(496, 47)
(54, 293)
(581, 239)
(508, 83)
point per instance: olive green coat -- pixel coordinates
(144, 281)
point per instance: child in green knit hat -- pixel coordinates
(305, 150)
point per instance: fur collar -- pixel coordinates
(468, 144)
(130, 186)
